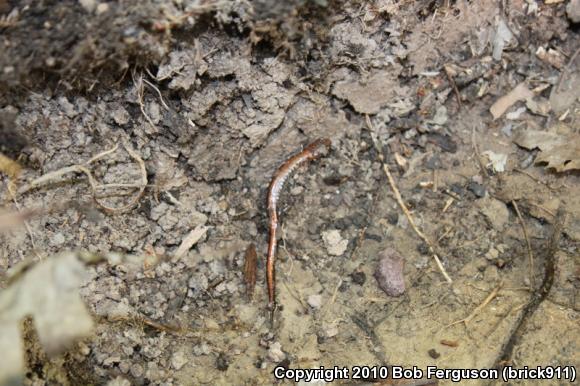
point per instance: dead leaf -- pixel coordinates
(539, 106)
(503, 37)
(520, 93)
(48, 292)
(497, 160)
(552, 57)
(562, 158)
(560, 147)
(564, 95)
(368, 95)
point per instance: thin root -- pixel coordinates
(478, 309)
(404, 207)
(82, 168)
(529, 246)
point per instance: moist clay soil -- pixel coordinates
(144, 134)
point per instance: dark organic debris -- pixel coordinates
(250, 265)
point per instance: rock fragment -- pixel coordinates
(389, 272)
(335, 244)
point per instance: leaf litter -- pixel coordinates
(211, 123)
(47, 292)
(559, 146)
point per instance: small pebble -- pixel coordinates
(178, 360)
(201, 349)
(315, 301)
(335, 244)
(88, 5)
(124, 366)
(119, 381)
(330, 330)
(477, 189)
(137, 370)
(492, 254)
(275, 353)
(389, 272)
(84, 349)
(57, 239)
(102, 8)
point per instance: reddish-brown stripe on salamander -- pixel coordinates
(315, 150)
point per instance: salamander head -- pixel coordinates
(319, 148)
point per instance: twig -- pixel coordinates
(447, 204)
(403, 206)
(190, 240)
(144, 182)
(158, 93)
(478, 309)
(141, 319)
(329, 303)
(454, 86)
(530, 253)
(477, 154)
(534, 178)
(544, 209)
(46, 178)
(140, 90)
(102, 154)
(60, 172)
(378, 348)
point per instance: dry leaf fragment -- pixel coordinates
(567, 92)
(520, 93)
(562, 158)
(49, 293)
(368, 95)
(552, 57)
(503, 36)
(497, 160)
(560, 147)
(193, 237)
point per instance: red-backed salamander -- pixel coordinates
(315, 150)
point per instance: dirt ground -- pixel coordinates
(145, 134)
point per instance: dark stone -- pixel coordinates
(393, 218)
(477, 189)
(433, 353)
(358, 277)
(445, 142)
(457, 189)
(222, 362)
(423, 249)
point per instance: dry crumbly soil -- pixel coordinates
(213, 97)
